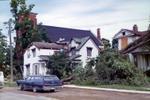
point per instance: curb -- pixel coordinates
(107, 89)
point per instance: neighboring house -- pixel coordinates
(140, 52)
(36, 56)
(125, 36)
(82, 50)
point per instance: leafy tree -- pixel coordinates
(27, 30)
(106, 43)
(59, 65)
(3, 54)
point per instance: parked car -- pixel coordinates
(1, 79)
(35, 83)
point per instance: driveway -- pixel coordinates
(70, 94)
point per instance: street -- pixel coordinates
(69, 94)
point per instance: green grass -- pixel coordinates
(10, 84)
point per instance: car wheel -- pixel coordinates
(53, 90)
(34, 89)
(21, 87)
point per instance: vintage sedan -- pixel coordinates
(35, 83)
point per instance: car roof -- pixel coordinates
(42, 76)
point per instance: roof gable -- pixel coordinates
(134, 33)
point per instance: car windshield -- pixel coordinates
(51, 78)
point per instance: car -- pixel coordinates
(1, 80)
(38, 82)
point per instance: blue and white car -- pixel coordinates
(35, 83)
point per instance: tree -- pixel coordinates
(106, 43)
(3, 54)
(26, 29)
(59, 65)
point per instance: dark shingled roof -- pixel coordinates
(55, 33)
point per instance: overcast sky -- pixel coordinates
(109, 15)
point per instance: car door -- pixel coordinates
(28, 82)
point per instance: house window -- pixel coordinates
(28, 70)
(123, 33)
(89, 51)
(34, 52)
(73, 51)
(147, 58)
(36, 70)
(28, 54)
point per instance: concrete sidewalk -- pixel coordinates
(107, 89)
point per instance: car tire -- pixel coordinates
(34, 89)
(21, 87)
(53, 90)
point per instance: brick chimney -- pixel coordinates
(135, 28)
(98, 34)
(32, 16)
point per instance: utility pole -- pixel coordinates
(9, 23)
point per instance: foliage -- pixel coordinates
(3, 46)
(110, 68)
(26, 28)
(106, 43)
(59, 65)
(4, 50)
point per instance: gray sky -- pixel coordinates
(109, 15)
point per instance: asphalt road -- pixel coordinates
(69, 94)
(16, 96)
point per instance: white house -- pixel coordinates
(82, 50)
(81, 44)
(36, 56)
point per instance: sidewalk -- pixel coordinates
(107, 89)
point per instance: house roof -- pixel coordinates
(81, 41)
(43, 45)
(136, 33)
(66, 34)
(137, 43)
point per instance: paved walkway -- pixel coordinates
(107, 89)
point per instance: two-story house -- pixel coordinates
(36, 56)
(81, 44)
(135, 44)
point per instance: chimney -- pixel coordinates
(32, 17)
(135, 28)
(98, 34)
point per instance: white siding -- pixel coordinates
(33, 61)
(83, 51)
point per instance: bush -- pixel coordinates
(110, 68)
(113, 68)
